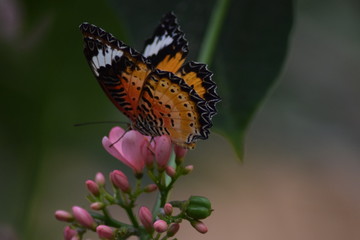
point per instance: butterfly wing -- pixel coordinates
(197, 76)
(120, 70)
(169, 106)
(167, 48)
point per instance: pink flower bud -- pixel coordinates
(188, 169)
(97, 206)
(120, 180)
(168, 209)
(160, 226)
(105, 232)
(92, 187)
(199, 226)
(146, 218)
(100, 179)
(180, 152)
(69, 233)
(148, 150)
(64, 216)
(83, 217)
(173, 229)
(163, 148)
(150, 188)
(170, 171)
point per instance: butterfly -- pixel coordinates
(156, 90)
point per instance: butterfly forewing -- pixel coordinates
(120, 70)
(167, 48)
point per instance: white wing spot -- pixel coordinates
(157, 45)
(104, 58)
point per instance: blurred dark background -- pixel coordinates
(301, 175)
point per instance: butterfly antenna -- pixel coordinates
(101, 122)
(126, 130)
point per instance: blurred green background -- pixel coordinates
(301, 175)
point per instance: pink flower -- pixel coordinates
(168, 209)
(69, 233)
(64, 216)
(150, 188)
(160, 226)
(188, 169)
(173, 229)
(128, 147)
(163, 148)
(145, 217)
(83, 217)
(200, 226)
(170, 171)
(97, 206)
(104, 232)
(100, 179)
(92, 187)
(180, 152)
(119, 180)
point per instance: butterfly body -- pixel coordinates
(155, 90)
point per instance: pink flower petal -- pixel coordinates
(131, 148)
(115, 136)
(108, 145)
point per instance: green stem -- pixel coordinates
(213, 31)
(132, 217)
(162, 197)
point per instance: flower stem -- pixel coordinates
(163, 192)
(131, 216)
(213, 31)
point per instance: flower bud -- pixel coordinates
(148, 150)
(100, 179)
(160, 226)
(168, 209)
(180, 152)
(105, 232)
(97, 206)
(198, 207)
(199, 226)
(64, 216)
(163, 149)
(146, 218)
(69, 233)
(173, 229)
(83, 217)
(188, 169)
(150, 188)
(92, 187)
(170, 171)
(120, 180)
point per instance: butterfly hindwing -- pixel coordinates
(197, 76)
(120, 70)
(169, 106)
(167, 48)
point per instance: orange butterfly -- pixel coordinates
(155, 90)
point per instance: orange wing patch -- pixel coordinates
(198, 77)
(171, 63)
(170, 108)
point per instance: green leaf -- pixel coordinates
(250, 52)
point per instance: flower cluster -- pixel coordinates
(144, 155)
